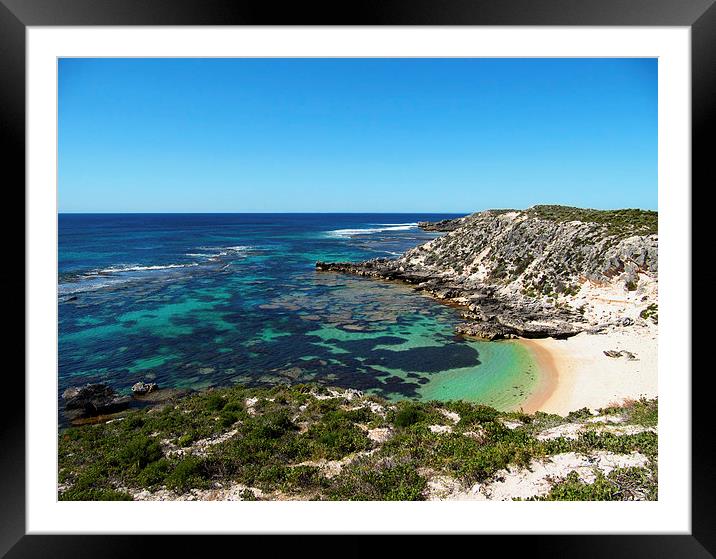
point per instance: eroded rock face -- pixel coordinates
(93, 399)
(517, 274)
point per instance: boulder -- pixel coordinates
(144, 387)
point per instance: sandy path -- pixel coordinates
(577, 374)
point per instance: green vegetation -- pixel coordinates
(622, 484)
(308, 442)
(652, 311)
(621, 223)
(639, 412)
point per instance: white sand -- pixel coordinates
(578, 374)
(535, 480)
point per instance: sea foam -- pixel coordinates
(370, 230)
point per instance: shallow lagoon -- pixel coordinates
(209, 300)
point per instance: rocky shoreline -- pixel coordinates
(536, 273)
(99, 402)
(489, 316)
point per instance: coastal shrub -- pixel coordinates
(620, 223)
(133, 422)
(95, 475)
(94, 494)
(474, 459)
(635, 483)
(173, 423)
(228, 418)
(416, 444)
(485, 462)
(470, 413)
(288, 478)
(317, 408)
(247, 495)
(645, 443)
(305, 477)
(576, 415)
(644, 412)
(186, 439)
(155, 473)
(497, 432)
(360, 415)
(234, 406)
(381, 481)
(259, 455)
(214, 401)
(408, 413)
(187, 473)
(138, 452)
(652, 311)
(519, 416)
(469, 459)
(573, 489)
(335, 435)
(622, 484)
(272, 425)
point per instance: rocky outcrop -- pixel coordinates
(92, 400)
(140, 388)
(442, 226)
(548, 271)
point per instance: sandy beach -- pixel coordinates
(578, 374)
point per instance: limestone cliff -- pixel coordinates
(544, 271)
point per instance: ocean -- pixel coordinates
(201, 300)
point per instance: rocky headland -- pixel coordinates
(579, 287)
(548, 271)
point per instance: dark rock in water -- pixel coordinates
(93, 399)
(144, 387)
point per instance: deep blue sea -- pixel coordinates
(199, 300)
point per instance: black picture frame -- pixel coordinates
(16, 15)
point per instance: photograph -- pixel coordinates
(357, 279)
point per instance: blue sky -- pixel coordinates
(351, 135)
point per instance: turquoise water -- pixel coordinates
(213, 300)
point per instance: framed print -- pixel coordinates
(426, 270)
